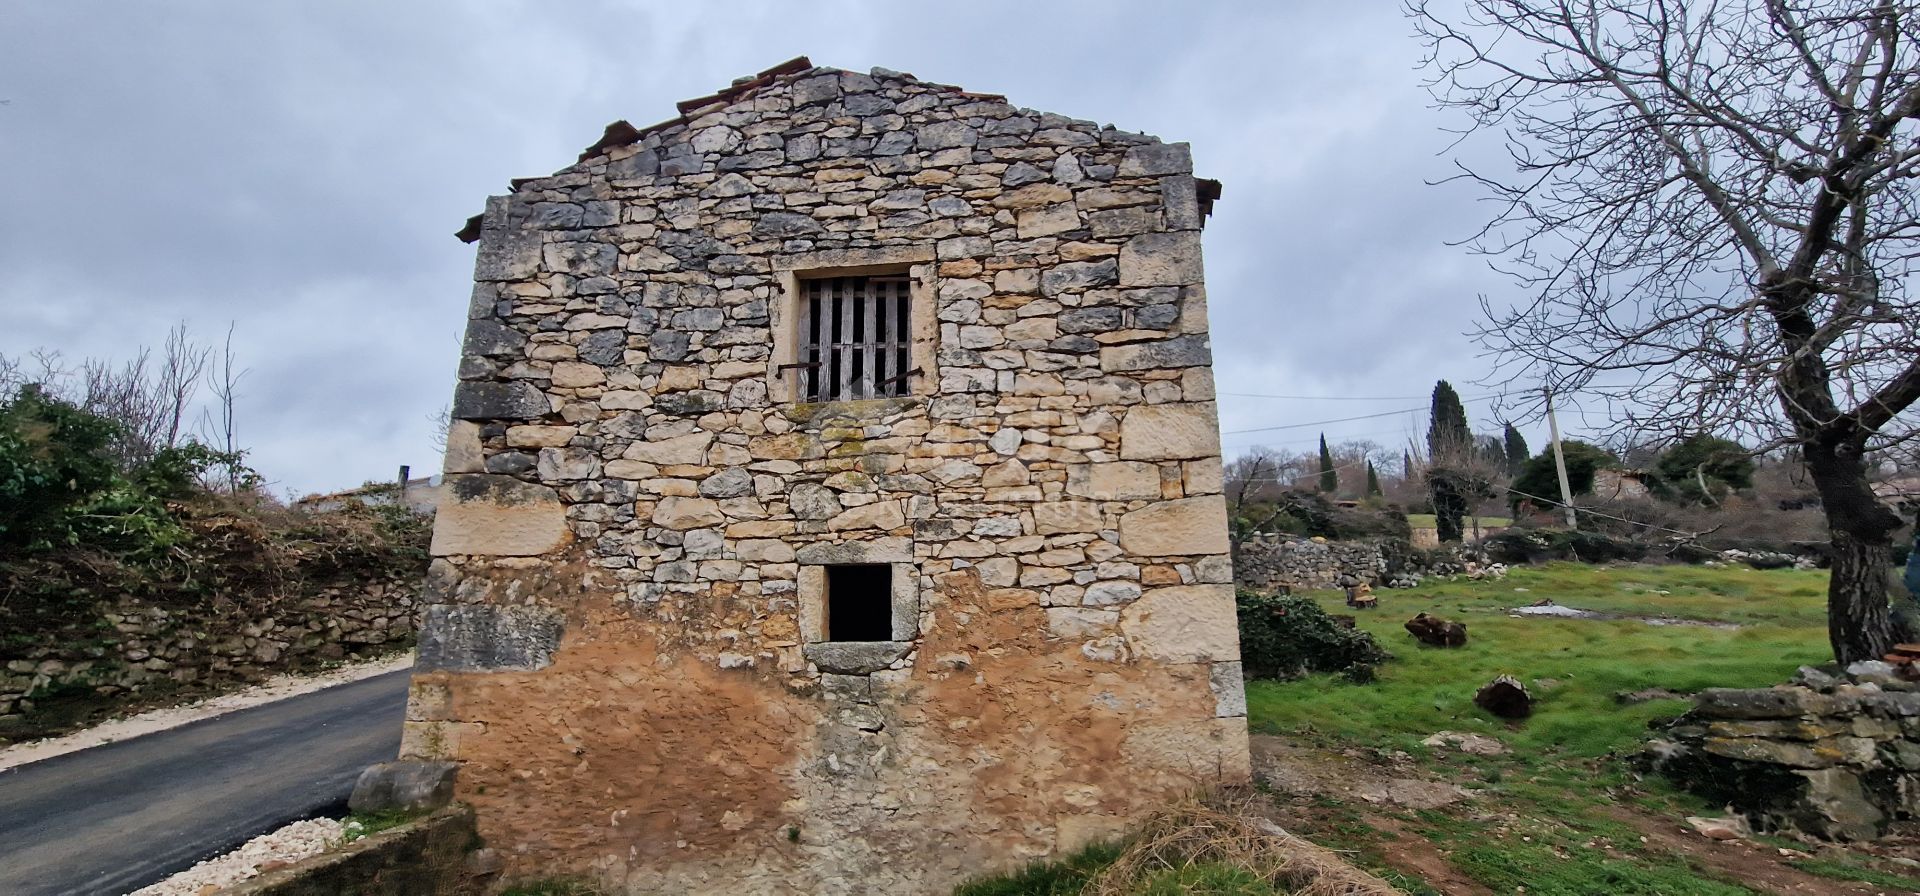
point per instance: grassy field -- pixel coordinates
(1562, 814)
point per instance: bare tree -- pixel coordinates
(217, 422)
(1713, 203)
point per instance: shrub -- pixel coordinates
(1516, 546)
(1722, 464)
(1539, 479)
(1282, 636)
(54, 458)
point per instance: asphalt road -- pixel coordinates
(111, 819)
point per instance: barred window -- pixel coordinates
(854, 338)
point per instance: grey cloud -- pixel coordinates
(298, 170)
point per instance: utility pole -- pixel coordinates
(1560, 463)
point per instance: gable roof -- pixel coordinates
(623, 133)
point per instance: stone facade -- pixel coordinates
(631, 655)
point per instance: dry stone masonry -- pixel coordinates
(139, 643)
(1836, 756)
(693, 631)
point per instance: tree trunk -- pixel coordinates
(1859, 623)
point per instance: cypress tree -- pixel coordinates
(1448, 437)
(1517, 453)
(1373, 481)
(1329, 477)
(1449, 450)
(1406, 465)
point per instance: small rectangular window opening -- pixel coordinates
(854, 338)
(860, 603)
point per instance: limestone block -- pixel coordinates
(1229, 689)
(499, 401)
(464, 453)
(1155, 159)
(1183, 624)
(1118, 481)
(499, 516)
(855, 656)
(877, 550)
(687, 449)
(493, 339)
(763, 550)
(1179, 351)
(435, 740)
(878, 515)
(406, 786)
(488, 638)
(1170, 432)
(1161, 259)
(687, 513)
(1206, 751)
(539, 436)
(575, 375)
(1080, 623)
(1202, 477)
(1183, 527)
(1057, 517)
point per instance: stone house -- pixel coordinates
(834, 498)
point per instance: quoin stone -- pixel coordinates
(836, 498)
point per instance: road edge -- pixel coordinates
(277, 688)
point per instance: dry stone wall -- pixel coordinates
(629, 655)
(1833, 756)
(139, 643)
(1271, 561)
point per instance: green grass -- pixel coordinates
(1573, 666)
(1541, 821)
(1064, 877)
(1426, 521)
(366, 824)
(1844, 870)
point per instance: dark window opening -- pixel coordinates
(860, 603)
(854, 338)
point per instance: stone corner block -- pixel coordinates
(408, 785)
(1183, 624)
(487, 638)
(497, 515)
(499, 401)
(1181, 527)
(1185, 431)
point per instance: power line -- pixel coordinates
(1236, 432)
(1343, 397)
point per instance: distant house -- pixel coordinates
(1903, 492)
(1620, 483)
(422, 494)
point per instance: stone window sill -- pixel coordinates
(855, 657)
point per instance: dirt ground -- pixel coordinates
(1319, 792)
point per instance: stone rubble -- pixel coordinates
(285, 846)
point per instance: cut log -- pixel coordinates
(1437, 632)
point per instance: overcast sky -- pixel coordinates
(298, 170)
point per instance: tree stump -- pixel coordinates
(1505, 697)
